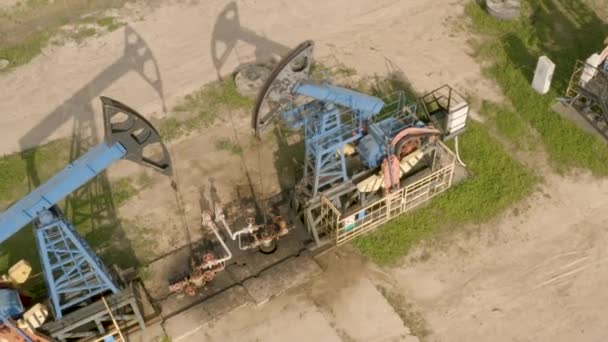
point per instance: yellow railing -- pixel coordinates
(390, 206)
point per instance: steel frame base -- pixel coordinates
(74, 274)
(324, 134)
(346, 197)
(95, 320)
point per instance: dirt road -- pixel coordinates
(537, 274)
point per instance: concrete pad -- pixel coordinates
(190, 321)
(184, 322)
(282, 319)
(152, 333)
(225, 302)
(287, 274)
(571, 114)
(362, 312)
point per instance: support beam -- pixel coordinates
(75, 277)
(58, 187)
(86, 322)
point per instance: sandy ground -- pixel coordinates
(538, 273)
(8, 3)
(62, 85)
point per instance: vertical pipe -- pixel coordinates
(206, 221)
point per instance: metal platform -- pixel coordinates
(241, 271)
(94, 319)
(442, 104)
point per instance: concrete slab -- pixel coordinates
(153, 333)
(190, 321)
(187, 321)
(227, 301)
(361, 312)
(287, 274)
(284, 319)
(571, 114)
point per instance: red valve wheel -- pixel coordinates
(208, 276)
(190, 290)
(208, 257)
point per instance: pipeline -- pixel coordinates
(457, 153)
(250, 229)
(208, 222)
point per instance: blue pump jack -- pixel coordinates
(72, 271)
(334, 117)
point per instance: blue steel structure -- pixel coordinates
(377, 134)
(11, 308)
(10, 304)
(72, 271)
(328, 128)
(334, 117)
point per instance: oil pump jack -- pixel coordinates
(75, 276)
(355, 144)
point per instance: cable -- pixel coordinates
(263, 205)
(457, 152)
(179, 200)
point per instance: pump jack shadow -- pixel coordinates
(228, 31)
(92, 208)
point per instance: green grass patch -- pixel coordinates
(110, 23)
(146, 245)
(171, 129)
(509, 124)
(122, 191)
(214, 96)
(81, 33)
(202, 108)
(323, 71)
(497, 182)
(27, 28)
(144, 180)
(563, 30)
(225, 144)
(144, 273)
(16, 170)
(320, 71)
(21, 53)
